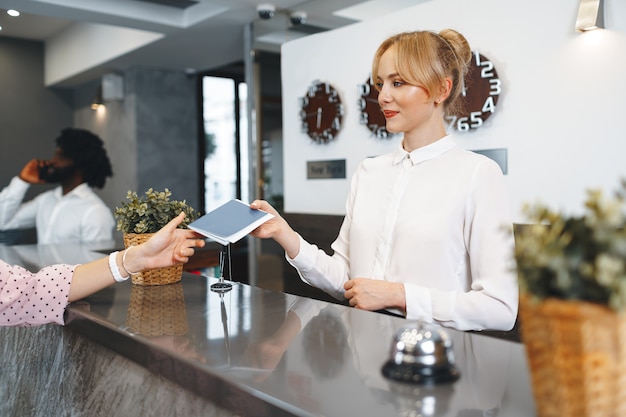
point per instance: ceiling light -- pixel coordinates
(13, 12)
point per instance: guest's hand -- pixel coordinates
(167, 247)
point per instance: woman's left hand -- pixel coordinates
(373, 294)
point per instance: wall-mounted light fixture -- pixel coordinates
(111, 88)
(98, 101)
(590, 15)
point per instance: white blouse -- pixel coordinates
(437, 220)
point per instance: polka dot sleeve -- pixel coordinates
(30, 299)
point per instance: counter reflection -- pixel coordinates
(310, 356)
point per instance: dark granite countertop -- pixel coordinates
(254, 352)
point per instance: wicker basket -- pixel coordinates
(160, 276)
(577, 357)
(157, 310)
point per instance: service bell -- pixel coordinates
(421, 354)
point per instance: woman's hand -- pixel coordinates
(276, 228)
(272, 228)
(167, 247)
(374, 294)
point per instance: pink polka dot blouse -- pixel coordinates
(30, 299)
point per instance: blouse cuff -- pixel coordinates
(418, 303)
(305, 259)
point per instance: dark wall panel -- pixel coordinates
(31, 115)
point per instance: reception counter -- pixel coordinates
(185, 350)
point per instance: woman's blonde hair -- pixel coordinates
(426, 58)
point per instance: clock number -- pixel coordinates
(336, 123)
(489, 105)
(476, 119)
(313, 90)
(451, 122)
(487, 70)
(462, 125)
(333, 97)
(477, 57)
(495, 87)
(363, 118)
(362, 104)
(382, 133)
(364, 89)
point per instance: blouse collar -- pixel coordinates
(426, 152)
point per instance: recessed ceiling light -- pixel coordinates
(13, 12)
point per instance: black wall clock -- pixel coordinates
(370, 113)
(321, 112)
(482, 90)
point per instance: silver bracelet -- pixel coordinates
(124, 261)
(115, 271)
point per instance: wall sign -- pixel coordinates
(326, 169)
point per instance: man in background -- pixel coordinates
(71, 212)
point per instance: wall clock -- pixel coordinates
(321, 112)
(370, 115)
(482, 89)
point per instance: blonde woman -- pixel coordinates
(427, 232)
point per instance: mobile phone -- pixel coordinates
(43, 170)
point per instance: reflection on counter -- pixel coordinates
(315, 341)
(157, 310)
(265, 353)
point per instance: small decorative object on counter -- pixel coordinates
(421, 355)
(140, 217)
(572, 275)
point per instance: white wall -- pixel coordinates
(560, 114)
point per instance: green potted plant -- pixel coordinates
(140, 217)
(572, 276)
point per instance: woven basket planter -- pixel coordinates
(160, 276)
(577, 357)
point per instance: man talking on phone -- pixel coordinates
(71, 212)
